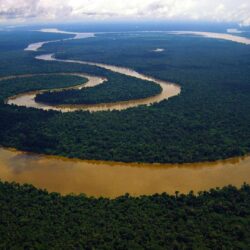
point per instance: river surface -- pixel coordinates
(109, 179)
(112, 179)
(223, 36)
(38, 45)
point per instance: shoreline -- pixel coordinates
(113, 179)
(232, 160)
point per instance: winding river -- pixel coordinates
(168, 90)
(112, 179)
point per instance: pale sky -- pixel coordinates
(18, 11)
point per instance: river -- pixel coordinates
(112, 179)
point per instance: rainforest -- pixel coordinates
(209, 120)
(124, 138)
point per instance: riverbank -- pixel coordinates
(113, 179)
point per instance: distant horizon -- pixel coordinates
(15, 12)
(149, 25)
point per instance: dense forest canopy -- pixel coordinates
(209, 120)
(35, 219)
(117, 88)
(11, 87)
(19, 40)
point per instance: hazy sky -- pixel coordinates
(12, 11)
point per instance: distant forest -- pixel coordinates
(209, 120)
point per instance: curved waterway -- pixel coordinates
(109, 179)
(28, 99)
(38, 45)
(112, 179)
(221, 36)
(168, 90)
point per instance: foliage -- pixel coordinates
(35, 219)
(208, 121)
(117, 88)
(20, 85)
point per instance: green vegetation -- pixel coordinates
(117, 88)
(19, 40)
(34, 219)
(208, 121)
(19, 85)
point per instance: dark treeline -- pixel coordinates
(38, 82)
(117, 88)
(19, 40)
(15, 61)
(35, 219)
(209, 120)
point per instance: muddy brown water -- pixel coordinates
(112, 179)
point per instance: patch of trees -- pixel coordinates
(18, 39)
(20, 85)
(31, 218)
(117, 88)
